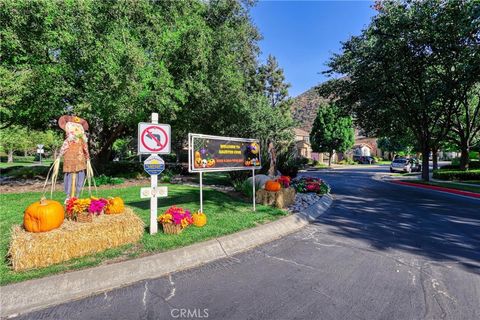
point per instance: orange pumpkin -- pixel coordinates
(115, 205)
(199, 219)
(211, 163)
(43, 215)
(272, 185)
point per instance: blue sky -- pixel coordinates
(302, 35)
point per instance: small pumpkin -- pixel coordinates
(197, 154)
(272, 185)
(199, 219)
(210, 163)
(43, 215)
(115, 205)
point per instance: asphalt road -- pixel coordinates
(382, 251)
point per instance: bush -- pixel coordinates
(124, 169)
(471, 165)
(239, 176)
(347, 161)
(30, 172)
(473, 155)
(456, 174)
(245, 187)
(104, 180)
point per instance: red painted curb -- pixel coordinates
(437, 188)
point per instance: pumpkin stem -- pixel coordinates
(43, 201)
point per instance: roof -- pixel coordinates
(301, 132)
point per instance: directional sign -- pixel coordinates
(154, 138)
(40, 151)
(148, 192)
(154, 165)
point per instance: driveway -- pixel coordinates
(382, 251)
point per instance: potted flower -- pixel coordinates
(175, 219)
(83, 210)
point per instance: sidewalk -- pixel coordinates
(31, 295)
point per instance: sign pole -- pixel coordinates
(153, 199)
(153, 205)
(201, 192)
(253, 186)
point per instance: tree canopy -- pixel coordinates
(331, 131)
(409, 68)
(114, 62)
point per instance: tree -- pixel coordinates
(272, 82)
(408, 67)
(395, 145)
(115, 62)
(52, 141)
(331, 131)
(11, 139)
(466, 125)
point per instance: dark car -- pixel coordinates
(364, 159)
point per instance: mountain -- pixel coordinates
(304, 108)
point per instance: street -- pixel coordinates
(382, 251)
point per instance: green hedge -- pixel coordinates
(456, 174)
(471, 165)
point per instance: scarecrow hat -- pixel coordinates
(64, 119)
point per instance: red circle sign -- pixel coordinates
(147, 132)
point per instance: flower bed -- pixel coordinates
(310, 184)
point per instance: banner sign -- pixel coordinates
(214, 153)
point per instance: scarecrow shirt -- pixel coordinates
(75, 152)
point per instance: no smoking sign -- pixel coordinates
(154, 138)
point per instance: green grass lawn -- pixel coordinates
(22, 163)
(225, 215)
(450, 185)
(383, 162)
(214, 178)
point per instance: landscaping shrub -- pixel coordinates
(245, 187)
(471, 165)
(30, 172)
(124, 169)
(347, 161)
(456, 174)
(104, 180)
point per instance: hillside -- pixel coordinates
(304, 108)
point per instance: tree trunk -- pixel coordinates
(435, 158)
(10, 156)
(425, 164)
(25, 153)
(330, 155)
(465, 150)
(55, 154)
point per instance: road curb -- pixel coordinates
(36, 294)
(468, 194)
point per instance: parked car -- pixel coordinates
(364, 159)
(405, 165)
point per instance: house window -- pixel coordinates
(306, 139)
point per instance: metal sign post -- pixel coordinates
(155, 139)
(253, 186)
(40, 151)
(201, 193)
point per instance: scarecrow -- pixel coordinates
(76, 162)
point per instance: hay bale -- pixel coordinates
(73, 240)
(280, 199)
